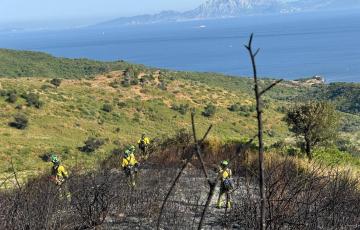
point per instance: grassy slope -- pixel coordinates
(72, 112)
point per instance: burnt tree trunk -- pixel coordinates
(260, 136)
(259, 111)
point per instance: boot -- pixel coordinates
(219, 204)
(228, 205)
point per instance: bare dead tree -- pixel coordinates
(259, 111)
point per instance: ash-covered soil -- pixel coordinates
(184, 207)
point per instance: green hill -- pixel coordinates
(36, 64)
(117, 101)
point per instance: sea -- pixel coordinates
(291, 46)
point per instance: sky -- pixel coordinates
(84, 10)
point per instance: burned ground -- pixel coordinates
(312, 197)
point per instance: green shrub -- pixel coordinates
(121, 104)
(20, 121)
(92, 144)
(126, 82)
(245, 109)
(134, 81)
(234, 107)
(56, 82)
(107, 107)
(182, 108)
(12, 97)
(46, 157)
(33, 100)
(3, 93)
(209, 110)
(293, 151)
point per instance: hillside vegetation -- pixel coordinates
(346, 96)
(37, 64)
(120, 101)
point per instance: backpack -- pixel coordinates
(228, 184)
(142, 144)
(54, 170)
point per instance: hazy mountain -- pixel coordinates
(233, 8)
(236, 8)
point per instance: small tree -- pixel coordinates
(107, 107)
(209, 110)
(33, 100)
(20, 121)
(56, 82)
(315, 122)
(234, 107)
(12, 97)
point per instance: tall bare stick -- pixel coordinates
(259, 112)
(212, 185)
(198, 151)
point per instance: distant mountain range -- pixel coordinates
(213, 9)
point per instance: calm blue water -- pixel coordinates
(291, 46)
